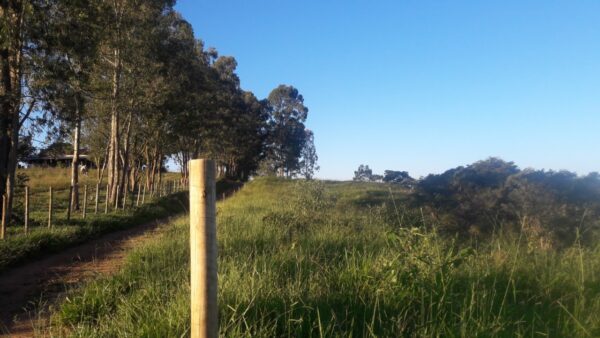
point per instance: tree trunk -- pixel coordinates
(12, 163)
(75, 162)
(5, 90)
(125, 154)
(100, 171)
(113, 153)
(12, 74)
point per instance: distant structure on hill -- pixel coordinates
(62, 161)
(58, 154)
(365, 174)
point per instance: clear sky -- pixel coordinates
(424, 86)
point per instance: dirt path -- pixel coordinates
(42, 282)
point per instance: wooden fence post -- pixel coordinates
(4, 217)
(97, 198)
(50, 209)
(203, 249)
(26, 209)
(84, 201)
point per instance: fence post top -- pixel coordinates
(205, 168)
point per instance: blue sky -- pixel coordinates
(424, 86)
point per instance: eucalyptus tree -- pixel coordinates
(308, 156)
(128, 25)
(22, 31)
(65, 81)
(251, 132)
(171, 124)
(287, 130)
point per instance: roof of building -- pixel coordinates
(54, 158)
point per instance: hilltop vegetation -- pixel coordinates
(128, 82)
(555, 208)
(300, 259)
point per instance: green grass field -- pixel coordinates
(329, 259)
(40, 240)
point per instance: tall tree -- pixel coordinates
(287, 131)
(21, 32)
(65, 80)
(309, 157)
(129, 26)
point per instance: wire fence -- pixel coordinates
(48, 206)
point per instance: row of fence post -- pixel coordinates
(162, 190)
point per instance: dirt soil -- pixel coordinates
(34, 288)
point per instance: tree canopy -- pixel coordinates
(128, 81)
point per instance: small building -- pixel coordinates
(62, 161)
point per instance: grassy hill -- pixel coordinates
(303, 259)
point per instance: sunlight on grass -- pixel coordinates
(312, 259)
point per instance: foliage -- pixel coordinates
(288, 137)
(363, 174)
(345, 273)
(308, 162)
(492, 194)
(399, 177)
(129, 82)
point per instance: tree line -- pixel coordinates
(128, 81)
(365, 174)
(553, 208)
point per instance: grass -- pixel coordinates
(343, 260)
(60, 178)
(19, 247)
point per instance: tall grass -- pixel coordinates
(339, 260)
(18, 247)
(39, 178)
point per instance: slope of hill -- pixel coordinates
(300, 259)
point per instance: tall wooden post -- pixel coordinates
(84, 201)
(4, 217)
(97, 198)
(50, 209)
(203, 249)
(26, 218)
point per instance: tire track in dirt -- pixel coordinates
(44, 281)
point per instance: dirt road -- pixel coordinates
(41, 283)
